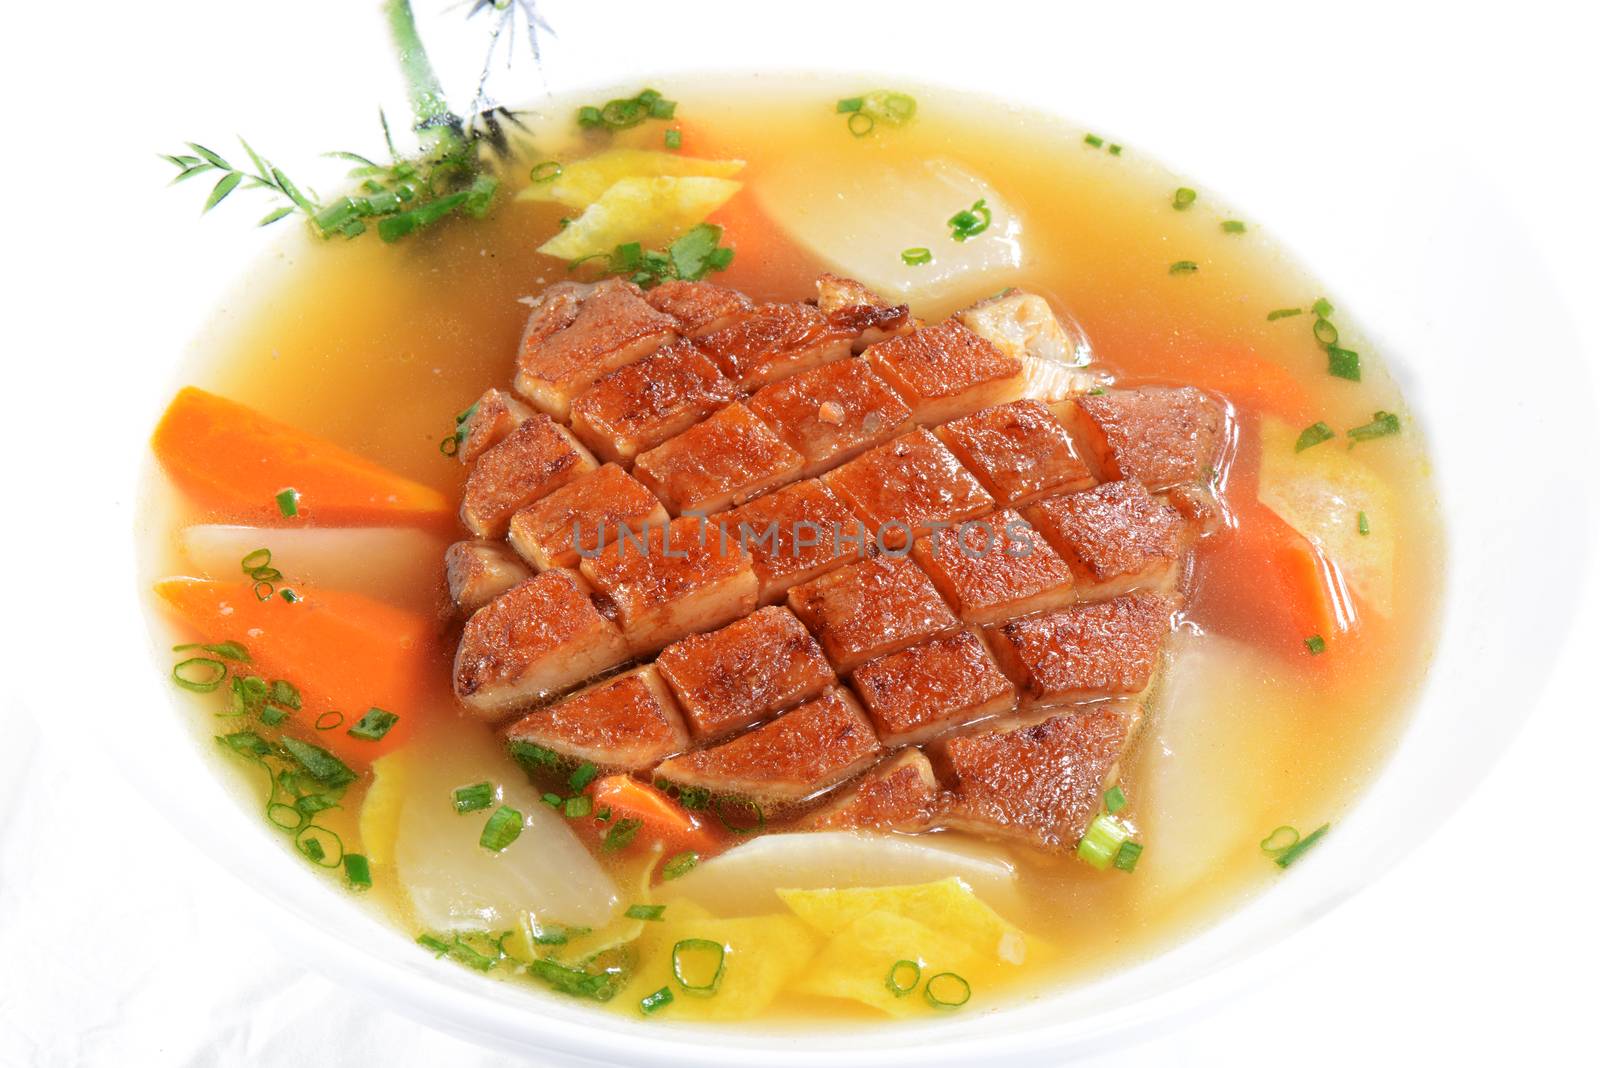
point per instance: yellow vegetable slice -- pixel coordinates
(1322, 492)
(380, 810)
(948, 906)
(651, 211)
(761, 956)
(855, 964)
(584, 181)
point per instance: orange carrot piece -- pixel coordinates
(661, 818)
(343, 651)
(234, 461)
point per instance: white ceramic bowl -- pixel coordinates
(1464, 314)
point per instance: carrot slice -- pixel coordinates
(234, 461)
(342, 651)
(661, 819)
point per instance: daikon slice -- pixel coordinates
(859, 221)
(380, 562)
(746, 881)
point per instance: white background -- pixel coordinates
(120, 945)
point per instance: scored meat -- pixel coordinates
(968, 581)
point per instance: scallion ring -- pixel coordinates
(254, 559)
(323, 723)
(1280, 839)
(321, 846)
(548, 171)
(954, 991)
(689, 947)
(860, 123)
(761, 817)
(210, 674)
(909, 970)
(1325, 332)
(293, 821)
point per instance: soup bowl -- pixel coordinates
(1445, 303)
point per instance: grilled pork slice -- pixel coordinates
(676, 580)
(699, 307)
(641, 405)
(836, 294)
(931, 687)
(995, 568)
(1019, 451)
(788, 760)
(900, 490)
(479, 571)
(723, 461)
(1040, 784)
(489, 421)
(538, 457)
(900, 794)
(1116, 537)
(745, 672)
(612, 327)
(870, 609)
(1021, 324)
(1099, 649)
(627, 722)
(795, 534)
(775, 341)
(1161, 436)
(582, 517)
(534, 641)
(946, 371)
(832, 413)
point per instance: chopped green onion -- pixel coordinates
(1298, 849)
(1127, 856)
(645, 912)
(653, 1003)
(916, 257)
(621, 835)
(1282, 313)
(1316, 644)
(1342, 363)
(1101, 841)
(577, 982)
(357, 870)
(848, 104)
(894, 108)
(289, 502)
(272, 715)
(860, 124)
(575, 808)
(536, 757)
(604, 814)
(1092, 140)
(319, 845)
(1323, 309)
(673, 139)
(1232, 226)
(1280, 839)
(548, 171)
(553, 800)
(472, 798)
(589, 117)
(373, 725)
(501, 829)
(680, 864)
(1325, 332)
(254, 559)
(554, 934)
(329, 720)
(199, 674)
(693, 955)
(320, 764)
(1183, 267)
(289, 595)
(970, 222)
(226, 650)
(1116, 800)
(582, 775)
(903, 977)
(1383, 424)
(953, 991)
(1315, 434)
(1114, 149)
(721, 810)
(285, 694)
(438, 946)
(1183, 198)
(1362, 527)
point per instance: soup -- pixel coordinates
(797, 779)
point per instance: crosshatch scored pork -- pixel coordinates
(976, 586)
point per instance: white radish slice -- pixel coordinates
(860, 220)
(745, 881)
(454, 883)
(382, 562)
